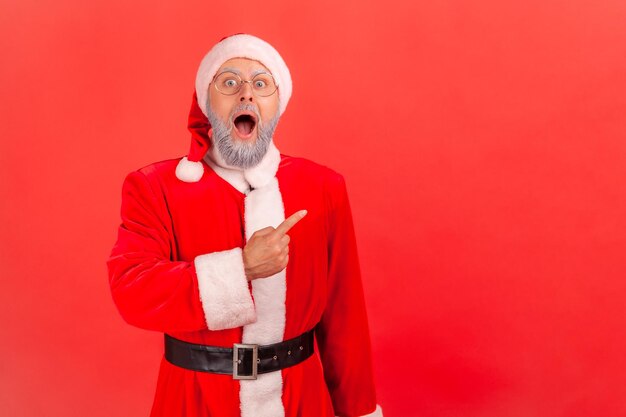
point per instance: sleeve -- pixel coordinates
(343, 332)
(155, 293)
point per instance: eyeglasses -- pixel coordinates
(229, 83)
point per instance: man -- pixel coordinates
(245, 259)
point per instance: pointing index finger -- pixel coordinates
(290, 222)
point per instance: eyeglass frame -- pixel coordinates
(242, 81)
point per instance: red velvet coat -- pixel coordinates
(177, 268)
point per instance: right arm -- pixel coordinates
(155, 293)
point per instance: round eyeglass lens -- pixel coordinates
(228, 83)
(263, 85)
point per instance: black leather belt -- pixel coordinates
(250, 359)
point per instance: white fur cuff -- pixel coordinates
(377, 413)
(224, 291)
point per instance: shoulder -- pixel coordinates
(159, 169)
(153, 177)
(310, 170)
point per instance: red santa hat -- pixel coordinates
(190, 168)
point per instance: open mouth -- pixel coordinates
(245, 123)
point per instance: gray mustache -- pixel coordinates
(245, 107)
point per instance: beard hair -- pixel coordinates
(236, 152)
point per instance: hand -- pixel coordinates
(267, 250)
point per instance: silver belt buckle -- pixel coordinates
(255, 356)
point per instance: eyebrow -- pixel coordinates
(259, 71)
(236, 71)
(229, 69)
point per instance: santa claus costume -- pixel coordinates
(177, 268)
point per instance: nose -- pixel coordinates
(246, 92)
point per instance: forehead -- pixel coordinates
(245, 66)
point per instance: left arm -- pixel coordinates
(343, 333)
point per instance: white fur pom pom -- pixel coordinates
(189, 171)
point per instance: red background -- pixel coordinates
(483, 144)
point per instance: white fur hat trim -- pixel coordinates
(243, 46)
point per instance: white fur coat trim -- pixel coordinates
(224, 290)
(263, 397)
(263, 206)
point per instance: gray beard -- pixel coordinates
(236, 152)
